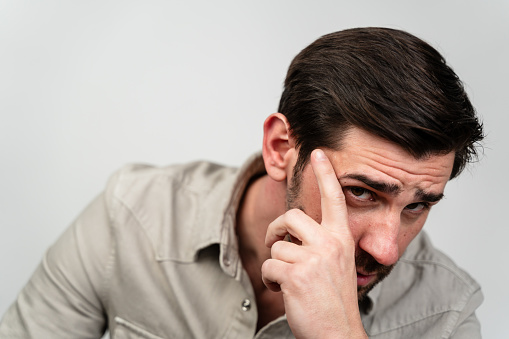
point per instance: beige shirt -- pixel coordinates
(156, 256)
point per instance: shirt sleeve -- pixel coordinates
(66, 295)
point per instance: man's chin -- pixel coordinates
(364, 289)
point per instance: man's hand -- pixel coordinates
(318, 278)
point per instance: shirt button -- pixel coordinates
(246, 305)
(226, 261)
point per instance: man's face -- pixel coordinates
(388, 195)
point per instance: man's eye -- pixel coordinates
(417, 207)
(361, 193)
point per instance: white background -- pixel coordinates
(87, 86)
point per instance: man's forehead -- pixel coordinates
(388, 166)
(353, 136)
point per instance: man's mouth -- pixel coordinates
(365, 279)
(369, 271)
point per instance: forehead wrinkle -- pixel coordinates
(379, 157)
(424, 173)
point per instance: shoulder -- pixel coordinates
(196, 176)
(426, 293)
(135, 184)
(426, 265)
(170, 206)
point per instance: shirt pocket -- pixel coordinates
(126, 330)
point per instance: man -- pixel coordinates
(372, 124)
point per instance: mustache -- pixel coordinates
(369, 265)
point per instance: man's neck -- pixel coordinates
(263, 201)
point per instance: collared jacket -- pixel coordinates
(156, 256)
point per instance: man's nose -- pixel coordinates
(380, 238)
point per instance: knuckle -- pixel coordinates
(299, 276)
(336, 197)
(275, 249)
(337, 245)
(303, 277)
(331, 249)
(266, 266)
(314, 259)
(293, 214)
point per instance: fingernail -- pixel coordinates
(319, 155)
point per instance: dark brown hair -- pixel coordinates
(385, 81)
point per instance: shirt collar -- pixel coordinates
(206, 197)
(229, 252)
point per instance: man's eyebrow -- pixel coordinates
(393, 189)
(376, 185)
(428, 197)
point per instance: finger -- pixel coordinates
(289, 238)
(287, 252)
(294, 222)
(273, 273)
(333, 205)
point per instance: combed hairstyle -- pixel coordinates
(384, 81)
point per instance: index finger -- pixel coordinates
(333, 204)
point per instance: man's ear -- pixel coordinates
(278, 147)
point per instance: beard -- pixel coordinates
(367, 264)
(364, 261)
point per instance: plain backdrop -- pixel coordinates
(88, 86)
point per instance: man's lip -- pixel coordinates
(364, 279)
